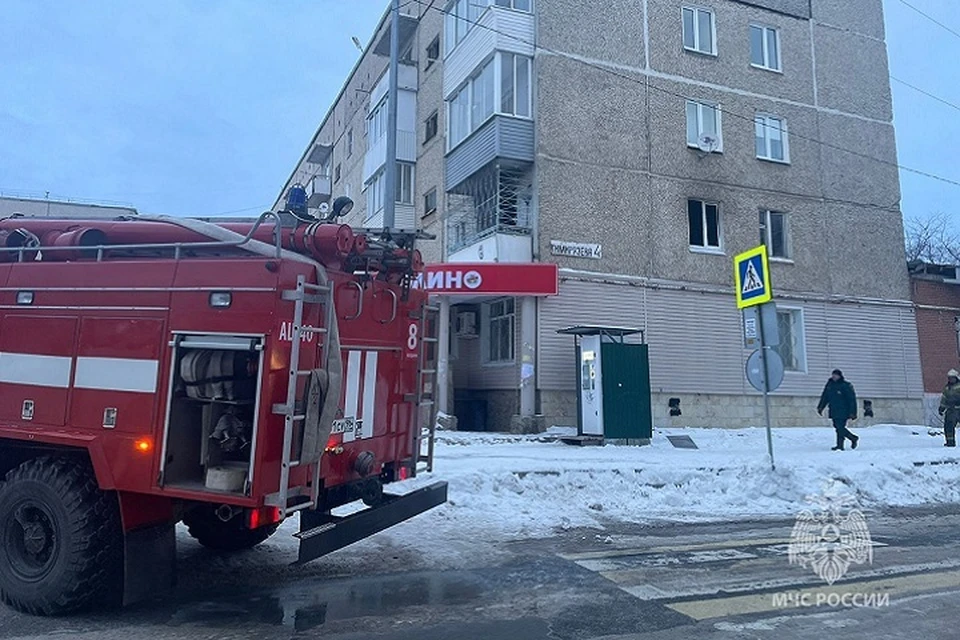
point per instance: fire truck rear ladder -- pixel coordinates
(425, 402)
(294, 409)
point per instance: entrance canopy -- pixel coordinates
(614, 334)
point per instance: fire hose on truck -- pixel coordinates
(227, 376)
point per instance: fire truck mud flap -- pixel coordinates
(322, 533)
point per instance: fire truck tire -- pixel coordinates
(232, 535)
(61, 541)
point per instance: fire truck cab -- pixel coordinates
(229, 376)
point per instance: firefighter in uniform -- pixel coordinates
(950, 407)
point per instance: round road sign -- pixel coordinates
(774, 367)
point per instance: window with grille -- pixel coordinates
(792, 348)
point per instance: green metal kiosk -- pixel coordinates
(613, 385)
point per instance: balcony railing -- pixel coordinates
(495, 200)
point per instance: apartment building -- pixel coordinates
(640, 145)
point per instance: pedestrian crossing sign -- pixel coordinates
(751, 274)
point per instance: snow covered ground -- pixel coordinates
(505, 487)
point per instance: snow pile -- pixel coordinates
(517, 486)
(506, 487)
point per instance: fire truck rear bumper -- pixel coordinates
(322, 533)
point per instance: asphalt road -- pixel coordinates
(666, 582)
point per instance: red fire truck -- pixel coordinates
(230, 375)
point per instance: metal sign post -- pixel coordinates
(751, 275)
(765, 365)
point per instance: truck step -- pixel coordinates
(322, 533)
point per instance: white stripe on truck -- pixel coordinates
(117, 374)
(352, 392)
(369, 393)
(35, 370)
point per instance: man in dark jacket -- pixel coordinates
(842, 400)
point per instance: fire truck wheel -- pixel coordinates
(61, 541)
(232, 535)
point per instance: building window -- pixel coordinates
(376, 189)
(482, 96)
(765, 47)
(430, 202)
(704, 218)
(519, 5)
(792, 348)
(349, 142)
(699, 31)
(404, 183)
(775, 234)
(431, 127)
(433, 52)
(336, 173)
(376, 125)
(459, 117)
(375, 195)
(462, 15)
(499, 325)
(515, 84)
(772, 141)
(703, 126)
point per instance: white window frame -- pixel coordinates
(466, 93)
(512, 5)
(405, 183)
(701, 105)
(765, 65)
(376, 124)
(764, 119)
(705, 248)
(474, 10)
(436, 201)
(518, 59)
(426, 52)
(766, 230)
(376, 188)
(486, 333)
(800, 346)
(696, 30)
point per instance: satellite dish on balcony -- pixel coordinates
(708, 143)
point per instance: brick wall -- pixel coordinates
(938, 305)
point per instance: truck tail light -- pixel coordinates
(262, 517)
(404, 473)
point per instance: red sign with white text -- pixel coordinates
(491, 278)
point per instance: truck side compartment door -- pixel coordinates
(36, 368)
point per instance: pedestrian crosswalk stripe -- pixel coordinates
(700, 546)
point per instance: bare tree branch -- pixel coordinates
(932, 239)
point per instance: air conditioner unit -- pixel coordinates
(467, 323)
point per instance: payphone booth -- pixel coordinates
(613, 384)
